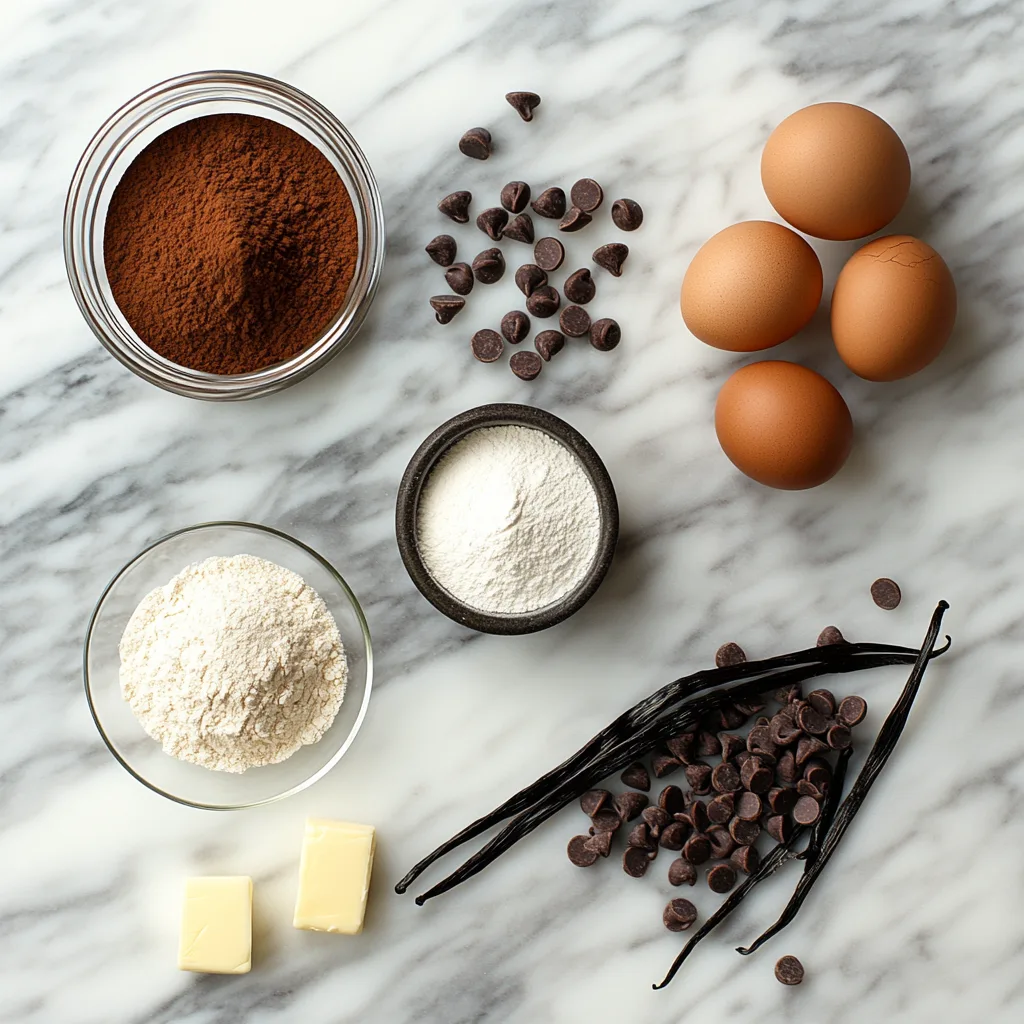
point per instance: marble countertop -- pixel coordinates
(918, 917)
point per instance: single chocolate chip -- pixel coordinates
(745, 859)
(786, 770)
(656, 818)
(697, 849)
(594, 800)
(460, 278)
(789, 694)
(805, 788)
(808, 747)
(762, 722)
(732, 745)
(543, 301)
(781, 799)
(606, 820)
(698, 775)
(611, 257)
(851, 710)
(730, 654)
(640, 837)
(636, 775)
(579, 287)
(549, 343)
(579, 853)
(728, 716)
(759, 740)
(830, 635)
(492, 222)
(529, 277)
(587, 195)
(446, 306)
(722, 844)
(721, 878)
(487, 346)
(679, 915)
(812, 721)
(721, 808)
(748, 707)
(838, 737)
(682, 747)
(697, 815)
(574, 321)
(550, 203)
(521, 229)
(783, 731)
(755, 776)
(523, 103)
(673, 836)
(600, 843)
(682, 872)
(741, 757)
(779, 828)
(744, 832)
(789, 970)
(664, 764)
(456, 206)
(807, 810)
(725, 778)
(604, 336)
(515, 195)
(526, 365)
(489, 266)
(823, 701)
(708, 744)
(441, 250)
(627, 215)
(515, 326)
(886, 594)
(476, 143)
(630, 804)
(818, 773)
(670, 799)
(574, 219)
(749, 806)
(549, 253)
(634, 862)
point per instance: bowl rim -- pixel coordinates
(360, 617)
(440, 441)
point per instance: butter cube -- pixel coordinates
(216, 925)
(334, 876)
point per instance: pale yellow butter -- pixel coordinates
(334, 876)
(216, 925)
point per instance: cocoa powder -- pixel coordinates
(230, 244)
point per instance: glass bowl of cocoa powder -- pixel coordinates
(223, 235)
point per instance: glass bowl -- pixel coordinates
(141, 755)
(120, 140)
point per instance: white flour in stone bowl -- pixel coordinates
(233, 664)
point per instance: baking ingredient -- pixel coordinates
(515, 195)
(489, 266)
(334, 876)
(886, 594)
(830, 635)
(548, 344)
(636, 775)
(893, 308)
(233, 664)
(456, 206)
(543, 301)
(550, 203)
(476, 143)
(529, 277)
(230, 244)
(520, 229)
(445, 307)
(574, 219)
(721, 878)
(579, 287)
(729, 654)
(508, 520)
(487, 345)
(574, 321)
(627, 214)
(216, 925)
(526, 365)
(523, 103)
(835, 170)
(789, 970)
(492, 222)
(586, 195)
(460, 278)
(783, 425)
(679, 915)
(611, 257)
(515, 326)
(442, 249)
(605, 334)
(549, 253)
(751, 286)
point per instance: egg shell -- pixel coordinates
(836, 171)
(893, 308)
(751, 286)
(783, 425)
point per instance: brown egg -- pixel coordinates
(750, 287)
(835, 170)
(783, 425)
(893, 308)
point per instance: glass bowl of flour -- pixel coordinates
(228, 665)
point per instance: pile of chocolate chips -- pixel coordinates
(738, 787)
(511, 221)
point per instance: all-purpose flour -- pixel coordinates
(508, 520)
(233, 664)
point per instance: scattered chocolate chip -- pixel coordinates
(744, 832)
(807, 810)
(679, 915)
(587, 195)
(805, 788)
(492, 222)
(529, 277)
(515, 195)
(441, 250)
(574, 219)
(460, 278)
(755, 776)
(851, 710)
(543, 301)
(682, 872)
(749, 806)
(636, 775)
(549, 253)
(698, 775)
(741, 757)
(629, 805)
(682, 746)
(663, 764)
(526, 365)
(550, 203)
(523, 103)
(786, 770)
(721, 808)
(640, 837)
(731, 745)
(789, 694)
(784, 731)
(579, 287)
(818, 772)
(515, 326)
(673, 836)
(627, 215)
(830, 635)
(606, 820)
(634, 862)
(656, 818)
(823, 701)
(670, 799)
(745, 859)
(809, 746)
(521, 229)
(725, 778)
(697, 816)
(721, 878)
(722, 844)
(456, 206)
(697, 849)
(580, 853)
(779, 828)
(476, 143)
(838, 737)
(549, 343)
(574, 321)
(759, 739)
(730, 716)
(748, 708)
(781, 799)
(600, 843)
(708, 744)
(604, 336)
(812, 721)
(446, 306)
(611, 257)
(886, 594)
(487, 346)
(789, 970)
(488, 266)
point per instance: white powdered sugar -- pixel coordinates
(233, 664)
(508, 520)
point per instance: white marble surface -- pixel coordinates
(919, 916)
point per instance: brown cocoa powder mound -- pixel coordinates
(230, 244)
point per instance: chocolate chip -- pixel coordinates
(636, 775)
(629, 805)
(549, 343)
(550, 203)
(549, 253)
(749, 707)
(809, 746)
(749, 806)
(783, 731)
(574, 219)
(697, 816)
(682, 872)
(492, 222)
(721, 808)
(806, 811)
(755, 776)
(670, 799)
(731, 745)
(759, 740)
(529, 277)
(456, 206)
(488, 266)
(812, 721)
(574, 321)
(745, 859)
(663, 764)
(476, 143)
(460, 278)
(851, 710)
(805, 788)
(886, 594)
(521, 229)
(606, 820)
(679, 915)
(698, 775)
(515, 195)
(587, 195)
(789, 970)
(708, 744)
(600, 843)
(441, 250)
(741, 757)
(830, 635)
(721, 878)
(604, 336)
(515, 326)
(446, 306)
(781, 799)
(779, 828)
(523, 103)
(580, 853)
(526, 365)
(579, 287)
(611, 257)
(627, 215)
(487, 346)
(789, 694)
(818, 772)
(673, 836)
(722, 844)
(543, 301)
(682, 746)
(725, 778)
(744, 832)
(838, 737)
(640, 837)
(730, 716)
(634, 862)
(823, 701)
(656, 818)
(786, 770)
(697, 849)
